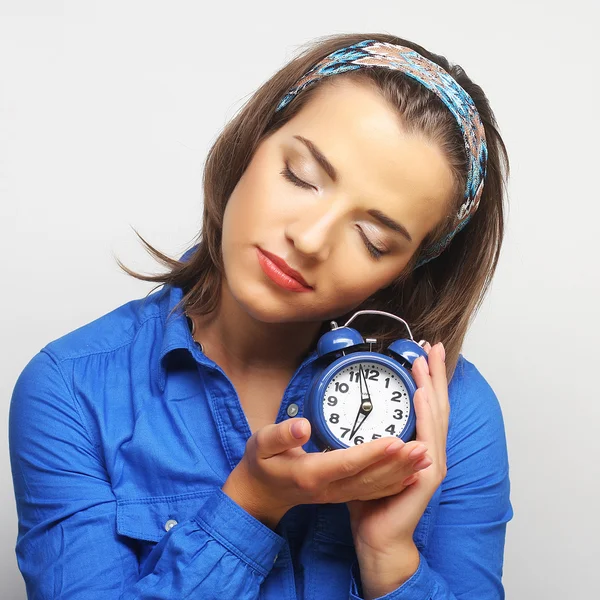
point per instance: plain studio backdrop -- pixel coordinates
(107, 111)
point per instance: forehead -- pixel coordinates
(378, 162)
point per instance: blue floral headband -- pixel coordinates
(372, 53)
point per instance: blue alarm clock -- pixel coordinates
(361, 395)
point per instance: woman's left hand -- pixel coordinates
(383, 529)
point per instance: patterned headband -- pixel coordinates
(372, 53)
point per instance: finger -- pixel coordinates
(425, 345)
(422, 376)
(410, 480)
(339, 464)
(393, 489)
(437, 369)
(384, 473)
(438, 392)
(422, 463)
(274, 439)
(432, 410)
(426, 428)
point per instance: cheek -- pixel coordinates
(258, 204)
(352, 280)
(240, 218)
(352, 268)
(230, 225)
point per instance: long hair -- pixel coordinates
(440, 298)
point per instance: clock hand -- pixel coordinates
(360, 379)
(365, 404)
(355, 421)
(360, 411)
(364, 394)
(364, 415)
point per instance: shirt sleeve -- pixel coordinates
(465, 554)
(67, 545)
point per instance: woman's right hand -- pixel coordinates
(276, 474)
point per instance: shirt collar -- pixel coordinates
(176, 332)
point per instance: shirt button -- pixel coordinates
(275, 559)
(170, 524)
(292, 410)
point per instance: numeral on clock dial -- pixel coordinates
(347, 394)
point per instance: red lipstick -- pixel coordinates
(281, 273)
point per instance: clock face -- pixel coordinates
(365, 401)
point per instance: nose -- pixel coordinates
(312, 232)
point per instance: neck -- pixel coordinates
(241, 344)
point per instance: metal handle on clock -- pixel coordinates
(334, 325)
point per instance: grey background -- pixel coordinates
(107, 110)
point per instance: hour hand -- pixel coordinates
(360, 419)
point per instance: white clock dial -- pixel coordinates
(349, 390)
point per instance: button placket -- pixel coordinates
(296, 389)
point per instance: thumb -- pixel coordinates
(277, 438)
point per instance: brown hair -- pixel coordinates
(438, 299)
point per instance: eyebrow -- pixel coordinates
(333, 174)
(388, 222)
(319, 157)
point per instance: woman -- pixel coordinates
(160, 451)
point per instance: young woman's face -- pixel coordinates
(324, 224)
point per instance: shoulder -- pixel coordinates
(475, 409)
(108, 332)
(476, 450)
(88, 360)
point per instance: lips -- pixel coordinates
(285, 267)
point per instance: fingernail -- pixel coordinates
(443, 351)
(422, 464)
(298, 429)
(410, 479)
(417, 451)
(394, 446)
(425, 365)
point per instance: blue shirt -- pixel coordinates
(121, 435)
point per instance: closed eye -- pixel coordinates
(290, 176)
(375, 252)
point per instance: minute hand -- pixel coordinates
(365, 403)
(364, 391)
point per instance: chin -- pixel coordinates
(266, 312)
(274, 310)
(267, 303)
(260, 303)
